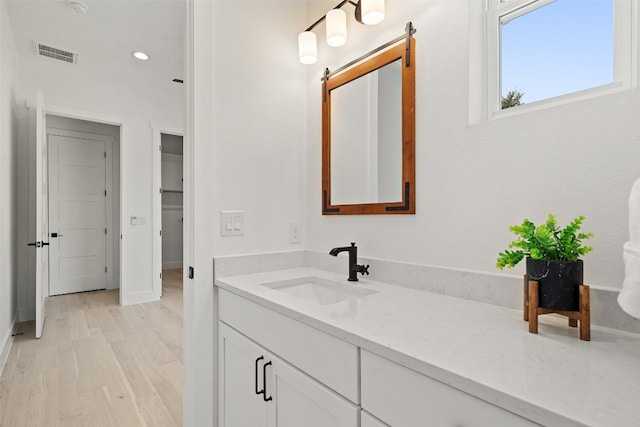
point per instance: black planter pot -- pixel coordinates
(558, 283)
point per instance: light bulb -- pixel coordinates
(372, 11)
(336, 27)
(307, 47)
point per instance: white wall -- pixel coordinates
(249, 154)
(8, 185)
(473, 181)
(259, 120)
(136, 105)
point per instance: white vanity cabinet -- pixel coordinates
(258, 389)
(276, 372)
(402, 397)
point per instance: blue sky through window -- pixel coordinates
(560, 48)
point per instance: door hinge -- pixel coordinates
(105, 231)
(161, 275)
(105, 269)
(161, 232)
(160, 148)
(160, 190)
(105, 154)
(105, 193)
(191, 272)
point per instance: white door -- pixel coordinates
(240, 381)
(298, 400)
(42, 230)
(77, 214)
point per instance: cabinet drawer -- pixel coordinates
(402, 397)
(328, 359)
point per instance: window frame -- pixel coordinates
(624, 55)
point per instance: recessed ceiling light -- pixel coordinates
(140, 55)
(78, 6)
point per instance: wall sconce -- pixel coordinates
(368, 12)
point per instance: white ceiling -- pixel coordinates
(106, 35)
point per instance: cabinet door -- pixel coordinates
(240, 374)
(402, 397)
(298, 400)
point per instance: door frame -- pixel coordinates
(156, 185)
(108, 146)
(75, 113)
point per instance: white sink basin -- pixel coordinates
(319, 290)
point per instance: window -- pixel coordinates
(547, 52)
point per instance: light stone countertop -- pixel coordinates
(551, 378)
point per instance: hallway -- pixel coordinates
(98, 364)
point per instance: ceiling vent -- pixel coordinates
(55, 53)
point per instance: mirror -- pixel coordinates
(368, 136)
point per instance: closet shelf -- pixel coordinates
(168, 190)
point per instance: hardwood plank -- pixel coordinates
(155, 413)
(98, 364)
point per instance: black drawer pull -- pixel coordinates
(264, 382)
(258, 391)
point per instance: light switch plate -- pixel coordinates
(138, 220)
(231, 223)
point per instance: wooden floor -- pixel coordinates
(98, 364)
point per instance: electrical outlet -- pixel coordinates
(295, 232)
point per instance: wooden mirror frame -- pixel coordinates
(407, 205)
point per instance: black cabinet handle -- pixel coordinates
(264, 382)
(258, 391)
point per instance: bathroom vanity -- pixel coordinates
(305, 347)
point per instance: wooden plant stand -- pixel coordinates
(532, 311)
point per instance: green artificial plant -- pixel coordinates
(546, 241)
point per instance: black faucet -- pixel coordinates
(354, 268)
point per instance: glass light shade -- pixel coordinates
(336, 27)
(372, 11)
(307, 47)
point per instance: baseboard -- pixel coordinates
(171, 265)
(7, 342)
